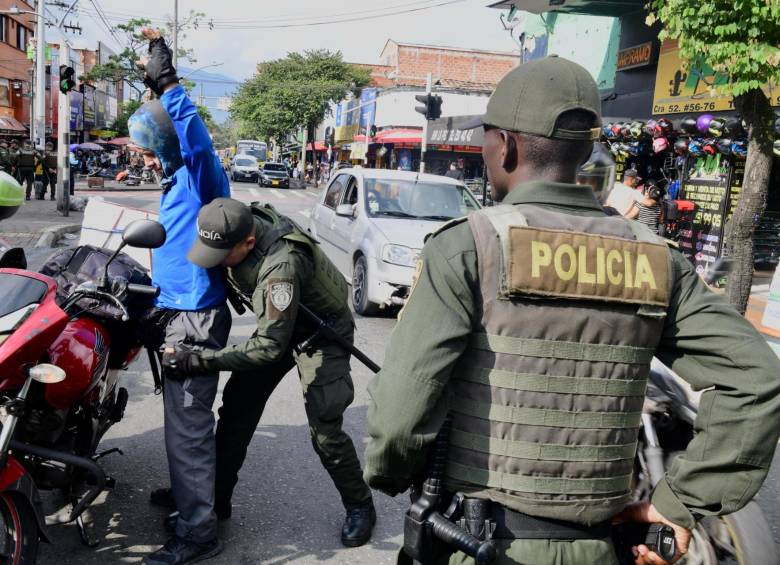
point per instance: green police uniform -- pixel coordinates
(702, 338)
(5, 160)
(49, 162)
(286, 269)
(25, 160)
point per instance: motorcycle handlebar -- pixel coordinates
(147, 290)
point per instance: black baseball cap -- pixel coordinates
(532, 96)
(222, 224)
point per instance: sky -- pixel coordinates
(242, 37)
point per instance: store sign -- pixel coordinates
(637, 56)
(347, 120)
(449, 131)
(679, 90)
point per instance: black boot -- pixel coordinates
(358, 524)
(178, 551)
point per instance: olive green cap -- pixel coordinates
(531, 97)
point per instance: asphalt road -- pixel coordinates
(286, 509)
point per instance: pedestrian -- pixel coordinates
(5, 158)
(454, 172)
(648, 211)
(73, 163)
(624, 194)
(275, 267)
(191, 306)
(541, 370)
(25, 160)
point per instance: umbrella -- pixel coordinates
(120, 141)
(91, 146)
(73, 146)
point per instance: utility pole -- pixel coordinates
(39, 135)
(63, 144)
(175, 34)
(424, 141)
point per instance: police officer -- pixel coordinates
(5, 158)
(275, 266)
(532, 325)
(49, 163)
(25, 161)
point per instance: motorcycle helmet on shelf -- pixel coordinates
(703, 123)
(666, 126)
(625, 131)
(637, 129)
(660, 144)
(776, 147)
(606, 131)
(777, 126)
(617, 127)
(710, 146)
(739, 148)
(688, 125)
(695, 148)
(681, 146)
(717, 127)
(724, 145)
(651, 128)
(735, 127)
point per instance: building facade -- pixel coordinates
(15, 69)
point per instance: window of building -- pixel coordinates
(3, 28)
(21, 37)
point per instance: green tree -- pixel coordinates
(740, 39)
(294, 92)
(126, 110)
(225, 134)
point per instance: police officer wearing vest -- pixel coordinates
(25, 160)
(5, 158)
(275, 266)
(49, 163)
(532, 324)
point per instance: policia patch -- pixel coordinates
(580, 265)
(280, 296)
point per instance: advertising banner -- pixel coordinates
(347, 120)
(368, 109)
(89, 108)
(100, 109)
(76, 111)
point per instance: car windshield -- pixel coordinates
(244, 162)
(273, 167)
(420, 200)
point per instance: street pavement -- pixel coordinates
(286, 509)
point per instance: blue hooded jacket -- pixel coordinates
(195, 177)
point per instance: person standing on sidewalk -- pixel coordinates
(191, 305)
(25, 167)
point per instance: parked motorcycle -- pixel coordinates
(59, 358)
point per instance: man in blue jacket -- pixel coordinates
(176, 143)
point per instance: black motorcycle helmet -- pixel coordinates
(735, 127)
(724, 145)
(666, 126)
(688, 125)
(717, 127)
(777, 126)
(681, 146)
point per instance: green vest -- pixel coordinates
(5, 158)
(547, 399)
(326, 295)
(26, 159)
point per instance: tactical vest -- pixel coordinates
(327, 293)
(547, 399)
(26, 159)
(5, 158)
(50, 161)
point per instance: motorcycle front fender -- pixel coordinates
(15, 479)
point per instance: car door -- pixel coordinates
(323, 216)
(344, 227)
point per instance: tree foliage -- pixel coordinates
(740, 39)
(126, 110)
(293, 92)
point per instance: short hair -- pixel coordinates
(561, 154)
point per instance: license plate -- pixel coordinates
(275, 182)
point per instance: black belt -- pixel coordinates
(505, 523)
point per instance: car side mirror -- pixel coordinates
(146, 234)
(345, 211)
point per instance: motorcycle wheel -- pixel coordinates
(742, 538)
(18, 532)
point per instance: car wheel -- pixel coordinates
(360, 301)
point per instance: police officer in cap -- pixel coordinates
(274, 266)
(26, 158)
(49, 162)
(532, 325)
(5, 157)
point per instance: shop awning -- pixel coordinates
(448, 131)
(394, 135)
(614, 8)
(318, 146)
(8, 123)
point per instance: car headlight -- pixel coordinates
(400, 255)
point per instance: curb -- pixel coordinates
(50, 235)
(123, 189)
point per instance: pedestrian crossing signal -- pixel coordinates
(67, 83)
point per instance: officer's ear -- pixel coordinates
(509, 151)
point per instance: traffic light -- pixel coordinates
(67, 83)
(431, 107)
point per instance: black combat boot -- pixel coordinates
(358, 524)
(179, 551)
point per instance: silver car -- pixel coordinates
(372, 224)
(244, 167)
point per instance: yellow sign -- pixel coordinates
(679, 91)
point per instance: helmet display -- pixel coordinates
(703, 122)
(651, 128)
(681, 146)
(151, 128)
(717, 127)
(776, 147)
(739, 148)
(710, 146)
(622, 150)
(660, 144)
(625, 131)
(724, 145)
(688, 125)
(636, 129)
(695, 148)
(777, 126)
(666, 126)
(598, 172)
(616, 128)
(11, 195)
(735, 127)
(606, 131)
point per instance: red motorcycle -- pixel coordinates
(59, 358)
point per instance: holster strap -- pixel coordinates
(517, 525)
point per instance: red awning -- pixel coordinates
(318, 146)
(394, 135)
(120, 141)
(8, 123)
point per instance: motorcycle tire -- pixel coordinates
(742, 538)
(20, 529)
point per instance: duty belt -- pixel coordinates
(486, 520)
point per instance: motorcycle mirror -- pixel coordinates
(47, 373)
(147, 234)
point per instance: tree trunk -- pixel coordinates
(758, 115)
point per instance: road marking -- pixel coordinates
(298, 194)
(255, 192)
(277, 193)
(312, 194)
(305, 213)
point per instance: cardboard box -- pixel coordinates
(95, 182)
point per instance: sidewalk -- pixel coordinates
(36, 217)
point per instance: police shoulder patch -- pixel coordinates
(280, 296)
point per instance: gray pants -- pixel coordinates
(189, 424)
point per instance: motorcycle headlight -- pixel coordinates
(400, 255)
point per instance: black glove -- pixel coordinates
(159, 69)
(180, 364)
